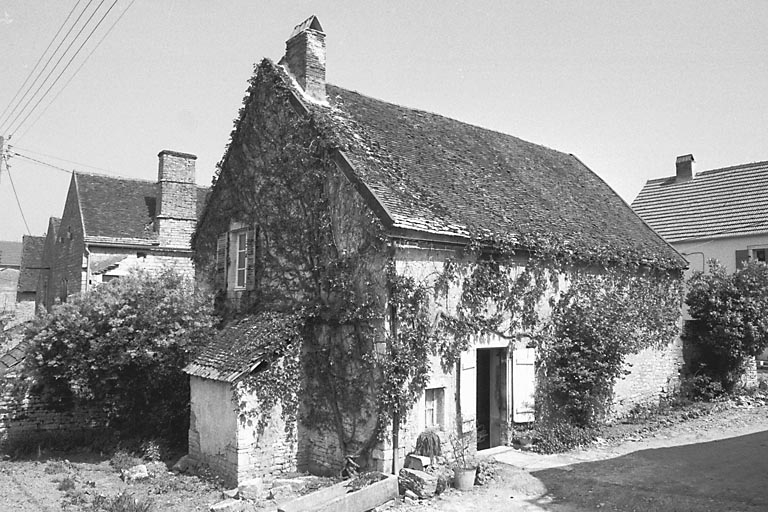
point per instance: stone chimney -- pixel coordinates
(177, 199)
(305, 57)
(684, 165)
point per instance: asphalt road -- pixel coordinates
(725, 475)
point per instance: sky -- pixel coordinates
(626, 86)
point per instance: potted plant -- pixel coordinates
(465, 468)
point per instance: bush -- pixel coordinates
(123, 346)
(428, 444)
(730, 325)
(123, 460)
(562, 436)
(125, 502)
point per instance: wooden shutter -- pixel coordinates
(220, 280)
(523, 383)
(742, 257)
(250, 258)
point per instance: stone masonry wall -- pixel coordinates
(230, 444)
(654, 373)
(29, 419)
(176, 217)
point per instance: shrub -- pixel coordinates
(557, 437)
(66, 484)
(123, 460)
(730, 325)
(428, 444)
(123, 345)
(125, 502)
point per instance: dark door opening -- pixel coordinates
(483, 398)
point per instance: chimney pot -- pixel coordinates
(305, 57)
(684, 167)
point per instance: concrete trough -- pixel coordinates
(338, 498)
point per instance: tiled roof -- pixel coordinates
(716, 203)
(237, 349)
(121, 208)
(13, 358)
(10, 254)
(437, 175)
(31, 263)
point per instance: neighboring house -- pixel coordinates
(718, 214)
(110, 225)
(402, 187)
(10, 265)
(32, 266)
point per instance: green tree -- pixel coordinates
(730, 320)
(124, 345)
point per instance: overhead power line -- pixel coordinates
(72, 76)
(42, 70)
(39, 60)
(16, 195)
(14, 153)
(69, 62)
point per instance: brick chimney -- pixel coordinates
(177, 199)
(305, 57)
(684, 165)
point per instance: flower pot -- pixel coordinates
(464, 478)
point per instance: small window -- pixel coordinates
(242, 259)
(141, 255)
(433, 407)
(759, 254)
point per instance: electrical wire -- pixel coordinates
(13, 187)
(13, 153)
(42, 70)
(11, 128)
(17, 148)
(42, 112)
(39, 60)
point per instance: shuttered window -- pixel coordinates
(742, 257)
(241, 266)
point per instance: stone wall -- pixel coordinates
(30, 420)
(230, 444)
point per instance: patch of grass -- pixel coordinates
(66, 484)
(123, 460)
(125, 502)
(54, 467)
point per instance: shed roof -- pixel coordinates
(239, 348)
(714, 204)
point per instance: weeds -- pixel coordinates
(125, 502)
(123, 460)
(66, 484)
(54, 467)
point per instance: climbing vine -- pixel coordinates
(362, 334)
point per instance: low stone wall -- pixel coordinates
(654, 373)
(29, 420)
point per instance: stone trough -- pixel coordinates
(340, 498)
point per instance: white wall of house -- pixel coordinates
(697, 252)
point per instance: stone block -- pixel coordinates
(419, 462)
(422, 484)
(251, 489)
(135, 473)
(228, 505)
(185, 464)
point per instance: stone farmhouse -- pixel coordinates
(399, 190)
(716, 214)
(110, 225)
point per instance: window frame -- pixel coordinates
(240, 251)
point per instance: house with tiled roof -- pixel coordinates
(717, 214)
(32, 266)
(112, 224)
(397, 190)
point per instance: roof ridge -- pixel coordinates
(114, 177)
(734, 167)
(477, 126)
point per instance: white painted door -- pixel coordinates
(523, 383)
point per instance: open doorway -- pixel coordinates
(492, 392)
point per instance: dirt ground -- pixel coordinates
(702, 458)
